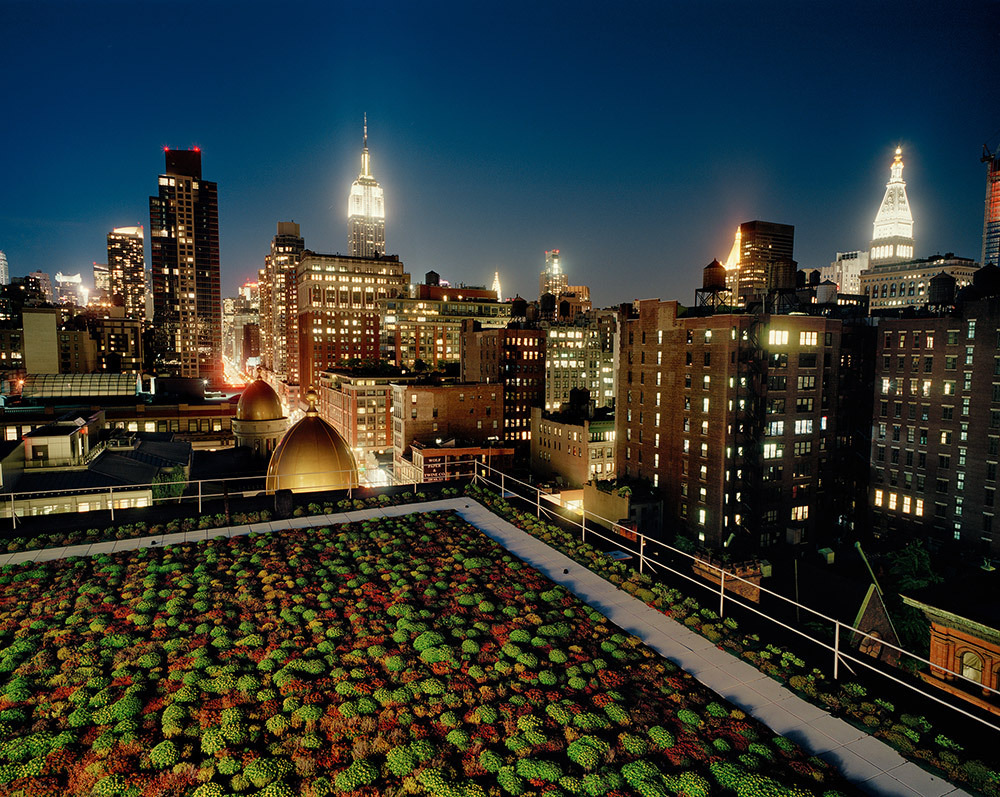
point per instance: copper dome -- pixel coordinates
(311, 456)
(259, 402)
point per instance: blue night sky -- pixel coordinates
(633, 137)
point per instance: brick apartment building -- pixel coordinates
(741, 422)
(936, 433)
(430, 414)
(513, 357)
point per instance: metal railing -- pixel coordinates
(199, 492)
(510, 486)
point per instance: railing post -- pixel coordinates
(503, 490)
(583, 525)
(111, 501)
(642, 552)
(538, 503)
(836, 649)
(13, 512)
(722, 592)
(199, 496)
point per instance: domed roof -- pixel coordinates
(311, 456)
(259, 402)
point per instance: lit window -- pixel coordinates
(777, 337)
(701, 517)
(878, 498)
(906, 504)
(892, 501)
(800, 512)
(919, 511)
(808, 338)
(704, 405)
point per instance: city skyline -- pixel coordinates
(629, 145)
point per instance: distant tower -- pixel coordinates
(127, 269)
(892, 236)
(102, 283)
(766, 262)
(4, 269)
(496, 285)
(366, 210)
(553, 278)
(991, 218)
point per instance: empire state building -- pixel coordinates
(366, 210)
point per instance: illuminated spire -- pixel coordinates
(365, 163)
(366, 209)
(733, 261)
(496, 285)
(892, 230)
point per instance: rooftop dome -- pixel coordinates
(311, 456)
(259, 402)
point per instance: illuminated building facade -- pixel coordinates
(935, 448)
(425, 415)
(366, 210)
(846, 270)
(991, 216)
(4, 269)
(358, 403)
(278, 301)
(515, 358)
(430, 330)
(553, 278)
(743, 422)
(127, 270)
(892, 234)
(184, 244)
(338, 309)
(906, 284)
(496, 285)
(102, 284)
(765, 261)
(70, 289)
(581, 354)
(575, 447)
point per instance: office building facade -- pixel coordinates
(935, 446)
(338, 309)
(765, 261)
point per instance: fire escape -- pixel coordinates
(746, 490)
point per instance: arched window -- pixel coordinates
(892, 289)
(972, 666)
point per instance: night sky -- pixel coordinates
(633, 137)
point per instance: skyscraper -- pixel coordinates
(892, 236)
(127, 270)
(553, 278)
(366, 210)
(184, 236)
(991, 217)
(279, 315)
(102, 283)
(4, 269)
(496, 285)
(765, 261)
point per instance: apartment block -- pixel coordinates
(935, 445)
(432, 413)
(734, 419)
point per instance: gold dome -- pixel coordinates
(259, 402)
(311, 456)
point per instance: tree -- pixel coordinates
(910, 570)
